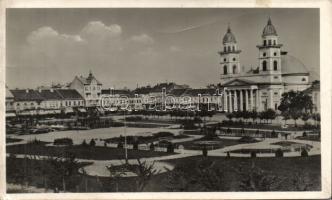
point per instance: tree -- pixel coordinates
(63, 172)
(256, 179)
(144, 172)
(230, 116)
(92, 142)
(295, 104)
(115, 175)
(253, 115)
(200, 175)
(305, 117)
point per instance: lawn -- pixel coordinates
(216, 143)
(146, 139)
(11, 140)
(308, 168)
(82, 152)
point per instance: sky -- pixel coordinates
(130, 47)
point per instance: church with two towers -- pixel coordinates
(260, 88)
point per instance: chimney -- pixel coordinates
(51, 90)
(39, 90)
(27, 90)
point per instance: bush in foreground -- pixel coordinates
(63, 141)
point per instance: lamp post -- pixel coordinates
(125, 135)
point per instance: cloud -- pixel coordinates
(143, 38)
(46, 33)
(97, 30)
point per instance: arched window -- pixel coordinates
(264, 42)
(270, 42)
(225, 69)
(233, 48)
(229, 48)
(234, 59)
(225, 49)
(224, 59)
(276, 106)
(264, 54)
(275, 65)
(264, 65)
(274, 42)
(234, 69)
(275, 53)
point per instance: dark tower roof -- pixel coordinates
(229, 37)
(269, 29)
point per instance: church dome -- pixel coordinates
(292, 65)
(229, 37)
(269, 29)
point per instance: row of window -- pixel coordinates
(234, 69)
(269, 42)
(68, 103)
(275, 54)
(234, 59)
(229, 48)
(275, 65)
(87, 88)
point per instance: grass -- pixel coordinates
(219, 143)
(146, 139)
(284, 168)
(288, 144)
(82, 152)
(11, 140)
(311, 138)
(264, 126)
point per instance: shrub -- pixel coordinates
(228, 155)
(304, 153)
(151, 146)
(84, 143)
(204, 151)
(92, 142)
(63, 141)
(274, 134)
(135, 146)
(304, 134)
(247, 139)
(120, 145)
(170, 148)
(279, 153)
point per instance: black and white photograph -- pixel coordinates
(131, 100)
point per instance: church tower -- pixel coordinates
(270, 54)
(230, 56)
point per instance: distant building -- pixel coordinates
(47, 101)
(259, 88)
(10, 109)
(314, 92)
(90, 89)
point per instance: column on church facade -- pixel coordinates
(271, 99)
(241, 100)
(230, 101)
(257, 100)
(236, 108)
(225, 101)
(246, 99)
(251, 99)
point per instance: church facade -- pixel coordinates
(261, 88)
